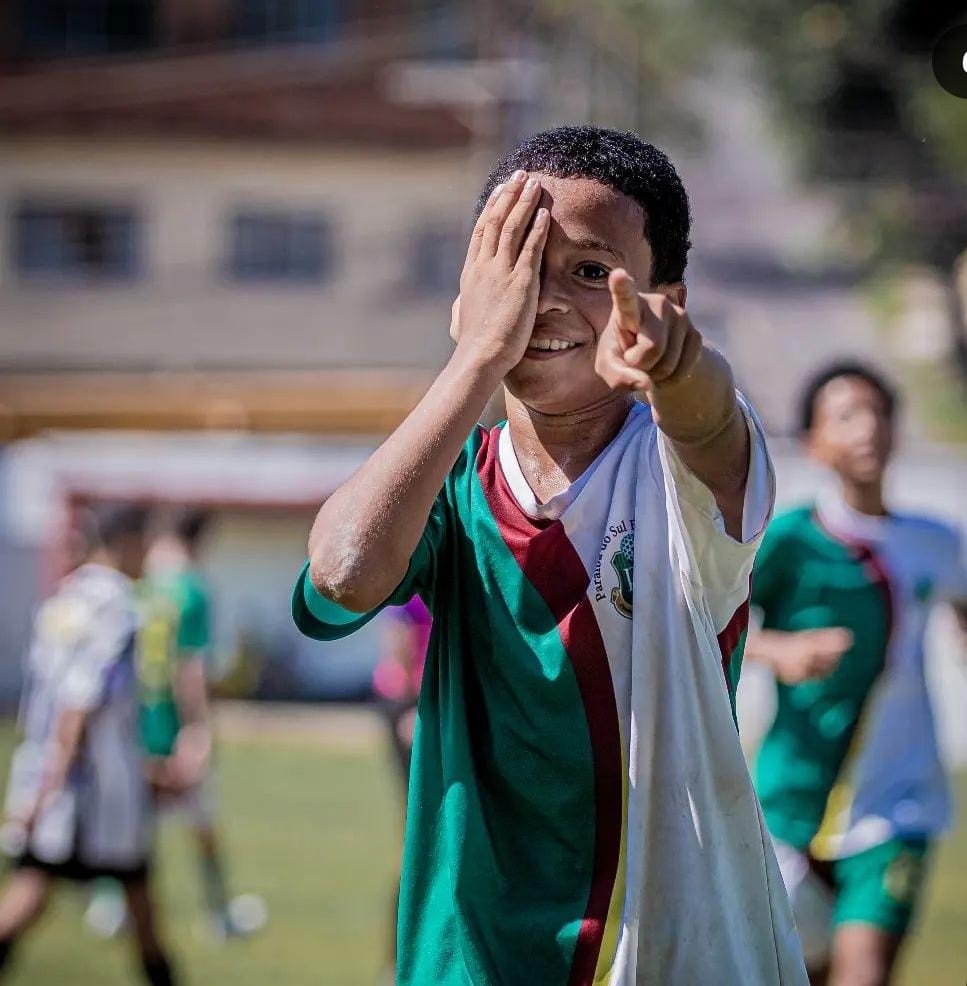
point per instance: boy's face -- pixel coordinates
(593, 230)
(852, 430)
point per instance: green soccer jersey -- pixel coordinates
(174, 627)
(576, 766)
(851, 760)
(805, 579)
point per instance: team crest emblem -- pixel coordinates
(622, 561)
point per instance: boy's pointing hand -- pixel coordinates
(648, 341)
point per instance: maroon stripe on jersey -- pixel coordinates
(729, 638)
(874, 567)
(552, 565)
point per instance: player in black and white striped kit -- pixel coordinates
(78, 805)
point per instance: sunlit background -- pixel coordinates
(230, 235)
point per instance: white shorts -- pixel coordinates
(812, 904)
(102, 818)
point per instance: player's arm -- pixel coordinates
(366, 532)
(800, 655)
(191, 691)
(650, 344)
(80, 692)
(189, 760)
(61, 755)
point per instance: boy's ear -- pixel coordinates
(675, 292)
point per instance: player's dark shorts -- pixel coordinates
(77, 871)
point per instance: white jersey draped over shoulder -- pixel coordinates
(698, 896)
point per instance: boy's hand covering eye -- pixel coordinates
(493, 316)
(648, 340)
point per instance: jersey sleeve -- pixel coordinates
(194, 627)
(769, 575)
(97, 651)
(714, 562)
(321, 618)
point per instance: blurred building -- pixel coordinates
(222, 218)
(222, 188)
(230, 235)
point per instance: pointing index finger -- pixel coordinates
(624, 298)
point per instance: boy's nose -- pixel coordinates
(551, 297)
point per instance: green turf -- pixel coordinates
(313, 830)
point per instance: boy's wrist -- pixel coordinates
(694, 409)
(480, 368)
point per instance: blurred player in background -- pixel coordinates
(173, 654)
(849, 775)
(396, 685)
(396, 680)
(78, 804)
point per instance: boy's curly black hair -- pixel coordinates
(833, 371)
(622, 161)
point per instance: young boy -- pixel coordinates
(850, 780)
(579, 808)
(77, 801)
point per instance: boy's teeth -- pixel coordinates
(552, 344)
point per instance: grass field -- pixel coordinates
(312, 827)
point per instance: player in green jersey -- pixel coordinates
(848, 775)
(174, 662)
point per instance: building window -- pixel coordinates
(272, 246)
(273, 21)
(95, 242)
(51, 28)
(436, 251)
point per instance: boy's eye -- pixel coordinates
(591, 272)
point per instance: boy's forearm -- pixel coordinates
(63, 752)
(695, 407)
(365, 534)
(700, 414)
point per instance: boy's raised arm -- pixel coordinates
(650, 344)
(365, 533)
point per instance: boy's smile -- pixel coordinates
(593, 230)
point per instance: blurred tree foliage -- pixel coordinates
(853, 92)
(854, 83)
